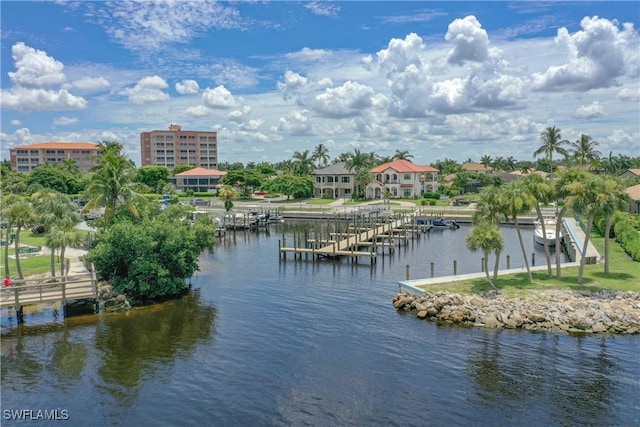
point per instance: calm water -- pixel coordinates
(266, 342)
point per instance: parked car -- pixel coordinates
(199, 203)
(38, 229)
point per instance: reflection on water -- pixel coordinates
(266, 341)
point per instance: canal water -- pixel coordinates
(266, 342)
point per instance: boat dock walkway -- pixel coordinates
(574, 238)
(349, 245)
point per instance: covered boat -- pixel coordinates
(549, 234)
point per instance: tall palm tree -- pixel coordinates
(402, 155)
(112, 182)
(584, 150)
(552, 142)
(54, 209)
(510, 164)
(613, 199)
(303, 163)
(490, 210)
(19, 214)
(563, 190)
(357, 160)
(586, 199)
(518, 201)
(542, 192)
(60, 237)
(487, 238)
(486, 161)
(321, 155)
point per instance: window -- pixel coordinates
(330, 179)
(318, 179)
(407, 177)
(406, 193)
(346, 179)
(347, 191)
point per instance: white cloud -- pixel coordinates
(25, 99)
(149, 26)
(598, 55)
(187, 87)
(15, 122)
(307, 54)
(592, 111)
(148, 90)
(34, 68)
(239, 115)
(199, 111)
(65, 121)
(450, 96)
(470, 40)
(291, 84)
(323, 8)
(218, 98)
(35, 73)
(629, 94)
(297, 123)
(91, 84)
(344, 101)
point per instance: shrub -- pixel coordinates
(435, 196)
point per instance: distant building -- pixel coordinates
(198, 179)
(179, 147)
(27, 157)
(334, 181)
(403, 179)
(476, 167)
(630, 173)
(634, 199)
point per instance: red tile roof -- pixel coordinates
(202, 172)
(60, 146)
(403, 166)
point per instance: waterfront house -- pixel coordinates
(198, 179)
(402, 179)
(334, 181)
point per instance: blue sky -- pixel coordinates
(438, 79)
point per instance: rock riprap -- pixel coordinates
(604, 312)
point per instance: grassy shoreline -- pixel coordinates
(624, 276)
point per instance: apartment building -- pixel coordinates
(179, 147)
(27, 157)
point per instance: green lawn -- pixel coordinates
(624, 276)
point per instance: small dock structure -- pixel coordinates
(358, 239)
(65, 290)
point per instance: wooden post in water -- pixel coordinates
(455, 267)
(482, 264)
(508, 262)
(407, 272)
(533, 259)
(433, 269)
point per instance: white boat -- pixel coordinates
(549, 232)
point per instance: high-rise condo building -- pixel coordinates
(27, 157)
(179, 147)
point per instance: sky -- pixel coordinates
(455, 80)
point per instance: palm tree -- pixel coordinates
(542, 192)
(552, 142)
(362, 178)
(321, 155)
(613, 199)
(61, 237)
(498, 163)
(518, 201)
(584, 150)
(19, 214)
(490, 210)
(402, 155)
(227, 193)
(510, 164)
(563, 190)
(54, 209)
(586, 199)
(357, 160)
(112, 182)
(486, 161)
(487, 238)
(303, 163)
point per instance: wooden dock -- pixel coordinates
(50, 290)
(351, 242)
